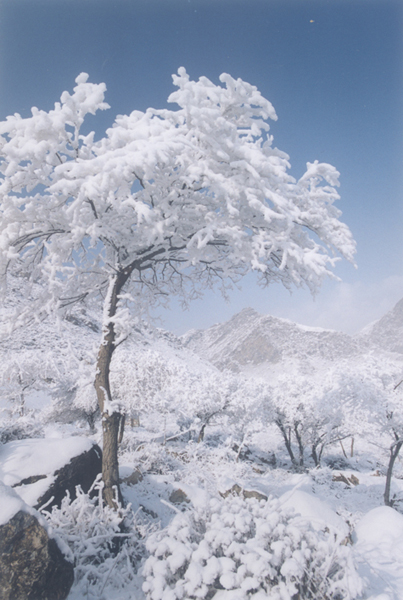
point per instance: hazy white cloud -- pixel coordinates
(344, 306)
(350, 306)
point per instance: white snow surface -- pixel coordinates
(378, 538)
(316, 511)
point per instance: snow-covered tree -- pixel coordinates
(168, 202)
(373, 398)
(309, 413)
(145, 379)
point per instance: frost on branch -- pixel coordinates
(168, 197)
(105, 544)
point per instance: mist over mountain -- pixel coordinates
(250, 343)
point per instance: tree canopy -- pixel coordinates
(197, 193)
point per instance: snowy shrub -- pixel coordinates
(147, 379)
(25, 427)
(245, 549)
(309, 414)
(105, 545)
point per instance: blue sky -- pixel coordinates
(333, 69)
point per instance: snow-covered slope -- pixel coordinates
(250, 339)
(386, 333)
(178, 490)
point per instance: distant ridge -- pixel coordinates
(250, 339)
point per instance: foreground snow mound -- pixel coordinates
(318, 513)
(378, 539)
(239, 549)
(382, 526)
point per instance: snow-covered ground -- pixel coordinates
(165, 483)
(231, 515)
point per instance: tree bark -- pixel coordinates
(394, 451)
(287, 441)
(314, 454)
(111, 420)
(110, 464)
(300, 444)
(201, 434)
(319, 443)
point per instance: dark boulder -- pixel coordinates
(236, 490)
(178, 496)
(256, 456)
(32, 567)
(82, 470)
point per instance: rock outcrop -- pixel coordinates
(81, 470)
(32, 566)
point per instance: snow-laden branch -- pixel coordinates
(200, 188)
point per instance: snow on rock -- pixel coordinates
(29, 465)
(25, 458)
(32, 563)
(10, 503)
(317, 512)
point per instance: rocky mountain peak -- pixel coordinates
(250, 339)
(387, 332)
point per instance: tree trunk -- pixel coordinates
(314, 454)
(319, 443)
(201, 434)
(111, 419)
(110, 465)
(287, 440)
(300, 444)
(394, 451)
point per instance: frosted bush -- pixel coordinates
(105, 545)
(245, 549)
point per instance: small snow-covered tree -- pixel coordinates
(168, 202)
(394, 417)
(145, 379)
(45, 364)
(373, 398)
(309, 413)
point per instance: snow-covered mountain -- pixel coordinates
(386, 333)
(250, 339)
